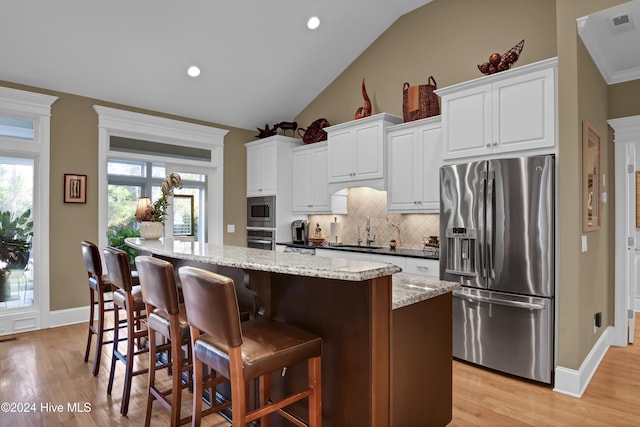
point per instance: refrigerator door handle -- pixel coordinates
(482, 265)
(491, 204)
(516, 304)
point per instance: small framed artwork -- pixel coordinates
(75, 188)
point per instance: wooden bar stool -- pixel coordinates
(243, 353)
(99, 287)
(166, 317)
(128, 298)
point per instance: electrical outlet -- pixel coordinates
(597, 321)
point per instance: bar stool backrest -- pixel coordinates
(118, 268)
(158, 284)
(211, 304)
(91, 256)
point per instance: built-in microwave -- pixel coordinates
(261, 211)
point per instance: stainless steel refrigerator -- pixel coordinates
(497, 240)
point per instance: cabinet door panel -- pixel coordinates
(301, 181)
(432, 160)
(522, 114)
(467, 123)
(402, 183)
(369, 152)
(269, 159)
(320, 198)
(341, 160)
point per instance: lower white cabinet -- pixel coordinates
(414, 152)
(423, 267)
(418, 266)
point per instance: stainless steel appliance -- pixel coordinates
(261, 239)
(261, 211)
(300, 231)
(497, 240)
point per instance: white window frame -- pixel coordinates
(37, 107)
(114, 122)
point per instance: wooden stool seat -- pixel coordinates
(245, 352)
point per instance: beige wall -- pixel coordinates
(438, 40)
(624, 99)
(74, 149)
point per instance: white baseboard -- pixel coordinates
(68, 316)
(574, 383)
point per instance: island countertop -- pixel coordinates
(269, 261)
(407, 289)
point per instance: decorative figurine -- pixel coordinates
(366, 110)
(266, 132)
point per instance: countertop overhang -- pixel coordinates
(263, 260)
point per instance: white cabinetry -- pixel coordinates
(269, 164)
(311, 179)
(414, 160)
(511, 111)
(357, 151)
(423, 267)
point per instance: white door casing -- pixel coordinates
(35, 107)
(152, 128)
(626, 135)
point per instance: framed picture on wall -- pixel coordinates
(75, 188)
(591, 178)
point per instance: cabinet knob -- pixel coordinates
(488, 145)
(495, 144)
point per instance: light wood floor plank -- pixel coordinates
(47, 367)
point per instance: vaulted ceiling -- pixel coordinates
(259, 62)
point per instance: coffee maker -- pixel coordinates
(300, 231)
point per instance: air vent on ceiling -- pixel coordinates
(622, 23)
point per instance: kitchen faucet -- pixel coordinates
(369, 239)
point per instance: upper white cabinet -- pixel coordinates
(310, 179)
(265, 159)
(414, 160)
(510, 111)
(357, 149)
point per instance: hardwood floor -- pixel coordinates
(40, 370)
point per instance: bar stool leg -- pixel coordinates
(91, 314)
(265, 391)
(114, 355)
(152, 376)
(128, 375)
(315, 400)
(197, 392)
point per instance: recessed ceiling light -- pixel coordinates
(193, 71)
(313, 23)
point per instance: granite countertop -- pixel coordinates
(263, 260)
(410, 289)
(381, 250)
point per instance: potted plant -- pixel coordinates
(152, 216)
(16, 232)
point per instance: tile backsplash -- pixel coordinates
(407, 229)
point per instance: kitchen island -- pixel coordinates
(386, 337)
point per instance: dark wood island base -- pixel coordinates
(380, 366)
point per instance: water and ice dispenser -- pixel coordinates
(461, 251)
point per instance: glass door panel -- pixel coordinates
(16, 232)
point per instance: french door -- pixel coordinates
(24, 210)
